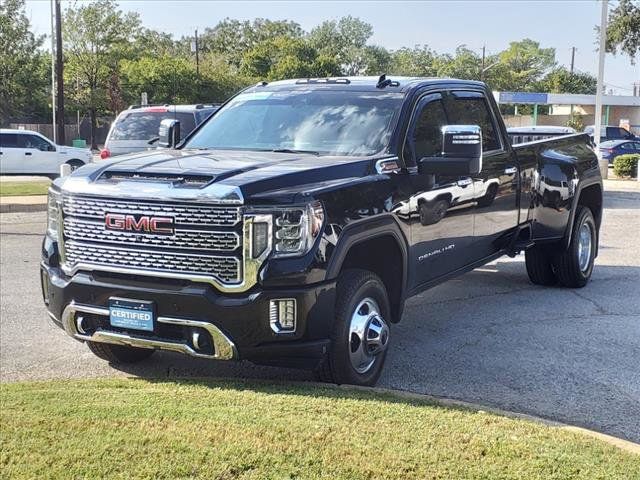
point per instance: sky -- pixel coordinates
(442, 25)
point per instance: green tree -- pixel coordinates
(233, 38)
(623, 31)
(97, 36)
(417, 61)
(345, 40)
(24, 69)
(286, 57)
(521, 66)
(561, 80)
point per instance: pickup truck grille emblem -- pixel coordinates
(139, 223)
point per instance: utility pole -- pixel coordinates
(573, 58)
(53, 74)
(484, 48)
(197, 55)
(59, 78)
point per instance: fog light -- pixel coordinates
(282, 315)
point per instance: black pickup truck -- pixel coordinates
(291, 227)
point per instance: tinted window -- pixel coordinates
(425, 136)
(470, 108)
(328, 122)
(145, 125)
(9, 140)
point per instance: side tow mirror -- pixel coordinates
(169, 133)
(461, 152)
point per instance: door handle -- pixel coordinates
(510, 170)
(27, 153)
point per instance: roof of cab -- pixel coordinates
(364, 83)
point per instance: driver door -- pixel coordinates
(40, 155)
(441, 205)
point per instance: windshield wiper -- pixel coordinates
(290, 150)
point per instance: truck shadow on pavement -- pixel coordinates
(492, 338)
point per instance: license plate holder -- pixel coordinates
(132, 314)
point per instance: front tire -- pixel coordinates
(360, 335)
(119, 354)
(574, 266)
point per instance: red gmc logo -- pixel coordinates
(139, 223)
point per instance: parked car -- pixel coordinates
(287, 229)
(613, 148)
(535, 133)
(610, 133)
(135, 127)
(23, 152)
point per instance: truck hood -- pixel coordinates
(225, 176)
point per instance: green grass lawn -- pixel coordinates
(8, 189)
(129, 428)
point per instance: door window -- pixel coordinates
(34, 141)
(425, 135)
(471, 108)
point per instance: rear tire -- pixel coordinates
(540, 266)
(362, 302)
(574, 266)
(75, 164)
(119, 353)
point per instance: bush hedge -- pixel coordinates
(626, 165)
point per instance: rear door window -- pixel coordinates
(9, 140)
(145, 125)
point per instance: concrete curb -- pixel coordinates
(22, 207)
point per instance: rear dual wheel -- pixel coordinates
(571, 267)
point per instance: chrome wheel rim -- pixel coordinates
(368, 335)
(585, 242)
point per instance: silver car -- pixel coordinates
(134, 127)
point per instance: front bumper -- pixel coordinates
(227, 326)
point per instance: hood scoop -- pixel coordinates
(177, 180)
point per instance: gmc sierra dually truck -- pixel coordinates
(291, 227)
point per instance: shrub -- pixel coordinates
(626, 165)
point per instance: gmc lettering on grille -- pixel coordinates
(139, 223)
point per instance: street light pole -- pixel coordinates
(53, 74)
(600, 86)
(60, 79)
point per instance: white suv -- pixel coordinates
(23, 152)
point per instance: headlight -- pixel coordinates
(53, 203)
(295, 229)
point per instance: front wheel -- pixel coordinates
(360, 335)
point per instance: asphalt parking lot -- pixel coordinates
(488, 337)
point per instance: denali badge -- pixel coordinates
(139, 223)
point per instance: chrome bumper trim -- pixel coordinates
(224, 348)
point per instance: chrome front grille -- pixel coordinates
(184, 214)
(207, 244)
(81, 229)
(226, 269)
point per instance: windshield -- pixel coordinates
(326, 122)
(145, 125)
